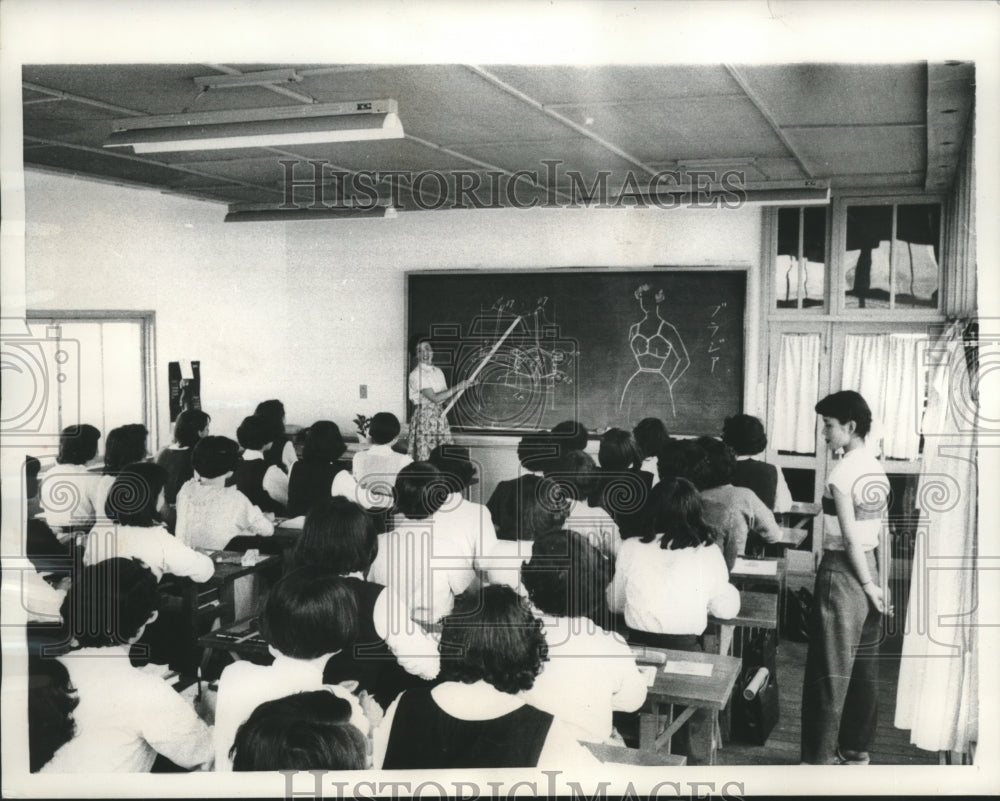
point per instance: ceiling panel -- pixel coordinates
(866, 150)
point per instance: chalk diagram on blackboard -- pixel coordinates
(520, 381)
(659, 352)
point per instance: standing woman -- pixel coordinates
(428, 392)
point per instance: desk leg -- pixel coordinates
(649, 725)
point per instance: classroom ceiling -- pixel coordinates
(892, 126)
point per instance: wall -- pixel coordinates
(308, 311)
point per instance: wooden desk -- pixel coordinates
(241, 639)
(692, 692)
(620, 755)
(800, 513)
(758, 610)
(743, 571)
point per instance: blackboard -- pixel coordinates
(607, 348)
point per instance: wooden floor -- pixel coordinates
(891, 747)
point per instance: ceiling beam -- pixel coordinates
(769, 116)
(550, 112)
(87, 101)
(948, 115)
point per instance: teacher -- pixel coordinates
(428, 391)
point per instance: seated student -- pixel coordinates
(745, 435)
(512, 496)
(568, 436)
(70, 480)
(320, 473)
(303, 731)
(650, 436)
(125, 445)
(466, 517)
(309, 615)
(492, 648)
(126, 716)
(667, 584)
(577, 473)
(136, 531)
(425, 559)
(378, 466)
(622, 488)
(390, 652)
(279, 450)
(32, 467)
(544, 511)
(266, 485)
(51, 701)
(740, 517)
(189, 427)
(590, 673)
(210, 514)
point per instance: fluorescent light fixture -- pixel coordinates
(278, 214)
(317, 123)
(759, 195)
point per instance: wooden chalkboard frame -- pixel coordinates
(748, 309)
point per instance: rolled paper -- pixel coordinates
(756, 683)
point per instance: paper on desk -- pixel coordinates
(756, 567)
(688, 668)
(648, 673)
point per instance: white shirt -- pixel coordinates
(101, 489)
(425, 376)
(671, 591)
(860, 476)
(470, 520)
(66, 493)
(243, 686)
(125, 717)
(41, 601)
(590, 674)
(594, 523)
(426, 563)
(482, 701)
(378, 466)
(503, 565)
(158, 548)
(275, 480)
(210, 515)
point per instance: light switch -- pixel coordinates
(363, 391)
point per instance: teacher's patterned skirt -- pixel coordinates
(428, 429)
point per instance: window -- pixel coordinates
(891, 256)
(800, 262)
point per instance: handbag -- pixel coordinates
(755, 708)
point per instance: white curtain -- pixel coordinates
(889, 372)
(797, 393)
(937, 696)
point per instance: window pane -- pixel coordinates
(786, 261)
(866, 262)
(916, 246)
(814, 249)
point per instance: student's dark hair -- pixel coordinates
(569, 435)
(679, 516)
(566, 575)
(384, 428)
(309, 611)
(32, 467)
(305, 731)
(715, 466)
(678, 458)
(338, 535)
(744, 434)
(108, 602)
(491, 635)
(650, 435)
(254, 433)
(420, 490)
(455, 466)
(845, 406)
(132, 498)
(78, 444)
(535, 449)
(273, 412)
(43, 548)
(51, 701)
(214, 456)
(125, 445)
(577, 474)
(323, 442)
(188, 427)
(544, 507)
(618, 450)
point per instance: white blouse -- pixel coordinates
(425, 376)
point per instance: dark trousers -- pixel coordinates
(839, 691)
(695, 737)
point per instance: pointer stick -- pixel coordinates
(483, 363)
